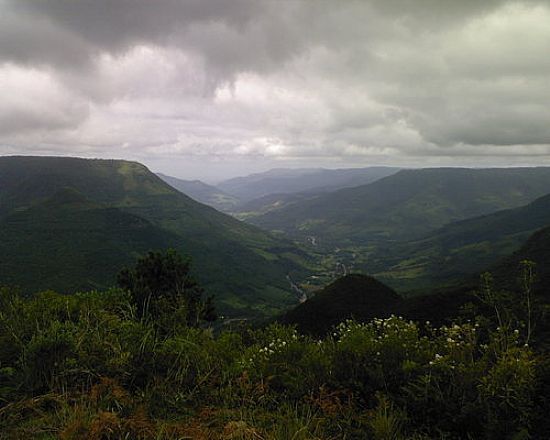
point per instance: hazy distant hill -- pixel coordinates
(202, 192)
(281, 180)
(460, 248)
(84, 219)
(408, 204)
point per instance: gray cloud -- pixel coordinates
(289, 82)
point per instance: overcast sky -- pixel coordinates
(215, 88)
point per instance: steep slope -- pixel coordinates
(242, 265)
(202, 192)
(283, 181)
(460, 248)
(407, 205)
(69, 243)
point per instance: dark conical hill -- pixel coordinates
(363, 298)
(354, 296)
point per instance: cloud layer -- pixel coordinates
(206, 88)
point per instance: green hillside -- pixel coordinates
(69, 243)
(244, 267)
(406, 205)
(459, 249)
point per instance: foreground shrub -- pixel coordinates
(89, 366)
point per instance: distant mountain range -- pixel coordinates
(285, 181)
(70, 224)
(258, 193)
(406, 205)
(202, 192)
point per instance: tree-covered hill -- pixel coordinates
(77, 211)
(69, 243)
(353, 296)
(407, 205)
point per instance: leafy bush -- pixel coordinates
(90, 366)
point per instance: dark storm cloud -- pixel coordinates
(229, 34)
(321, 81)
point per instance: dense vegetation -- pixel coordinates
(84, 219)
(141, 362)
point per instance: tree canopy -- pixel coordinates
(161, 286)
